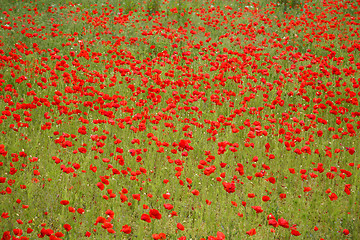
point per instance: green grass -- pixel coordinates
(115, 70)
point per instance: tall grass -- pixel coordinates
(161, 99)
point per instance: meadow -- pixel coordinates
(169, 119)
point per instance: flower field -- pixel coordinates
(179, 119)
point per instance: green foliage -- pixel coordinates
(153, 6)
(129, 5)
(289, 4)
(130, 65)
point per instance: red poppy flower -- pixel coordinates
(80, 210)
(251, 195)
(64, 202)
(154, 214)
(100, 185)
(126, 229)
(159, 236)
(145, 218)
(272, 180)
(333, 197)
(166, 195)
(220, 236)
(180, 226)
(229, 187)
(295, 233)
(168, 206)
(188, 180)
(59, 234)
(17, 232)
(258, 209)
(273, 223)
(251, 232)
(282, 195)
(351, 150)
(67, 227)
(282, 222)
(265, 198)
(136, 197)
(195, 192)
(347, 189)
(107, 225)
